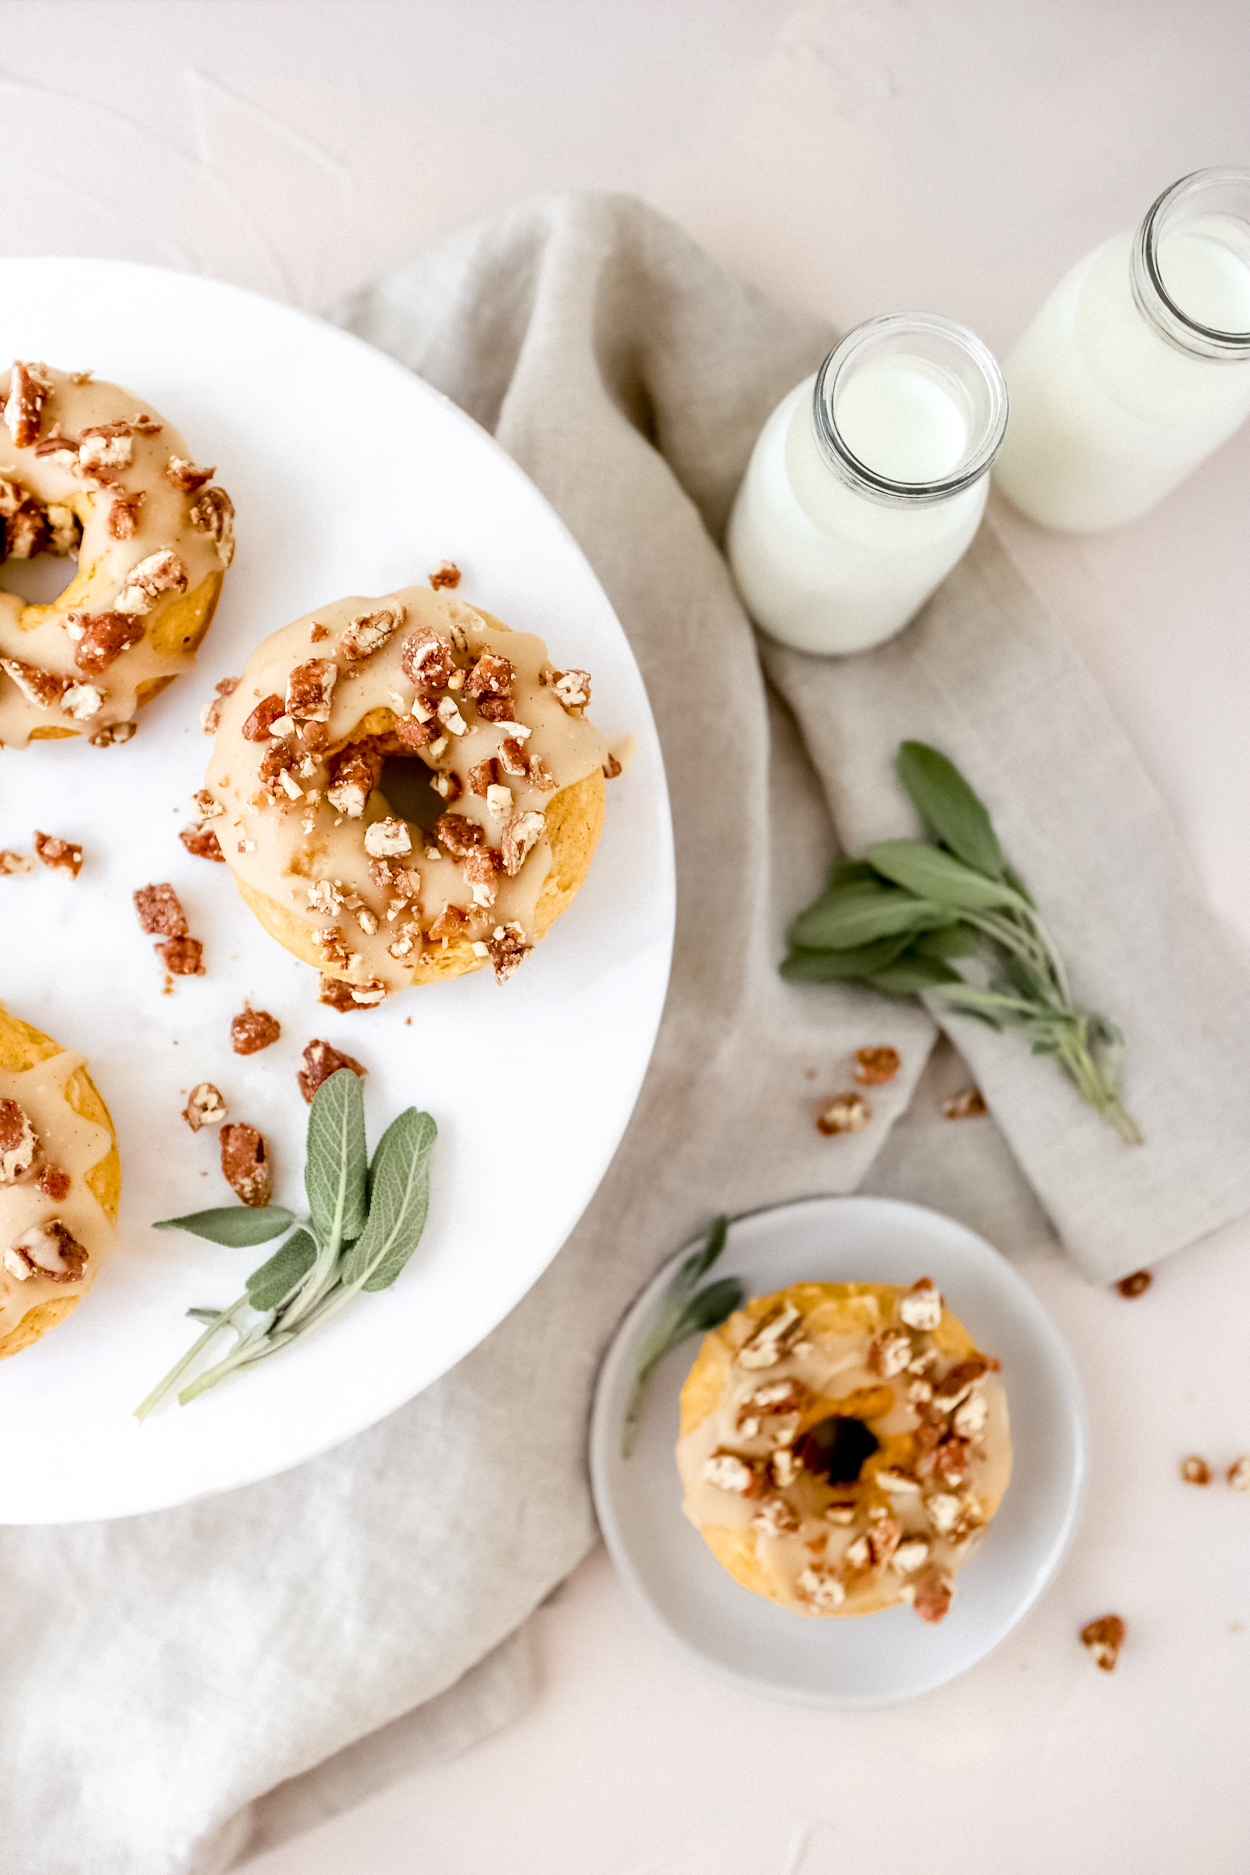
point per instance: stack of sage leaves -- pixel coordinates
(365, 1220)
(898, 918)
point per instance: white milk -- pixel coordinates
(1113, 400)
(825, 558)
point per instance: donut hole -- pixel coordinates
(40, 545)
(405, 784)
(836, 1448)
(41, 580)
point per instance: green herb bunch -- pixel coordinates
(686, 1310)
(365, 1220)
(897, 919)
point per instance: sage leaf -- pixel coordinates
(237, 1226)
(399, 1200)
(679, 1315)
(952, 940)
(269, 1286)
(948, 805)
(709, 1308)
(911, 974)
(842, 966)
(932, 874)
(843, 920)
(335, 1170)
(851, 872)
(701, 1262)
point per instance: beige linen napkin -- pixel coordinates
(185, 1689)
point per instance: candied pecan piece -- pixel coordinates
(428, 659)
(245, 1164)
(414, 734)
(483, 775)
(459, 834)
(1195, 1470)
(389, 838)
(572, 688)
(952, 1458)
(540, 776)
(159, 912)
(337, 994)
(821, 1588)
(42, 688)
(29, 385)
(202, 841)
(58, 855)
(495, 709)
(612, 768)
(309, 688)
(889, 1353)
(213, 514)
(450, 922)
(490, 676)
(910, 1555)
(447, 785)
(1238, 1473)
(845, 1113)
(83, 702)
(64, 529)
(181, 956)
(969, 1104)
(124, 515)
(11, 863)
(1136, 1284)
(932, 1599)
(1103, 1639)
(920, 1307)
(369, 631)
(205, 1106)
(962, 1378)
(354, 775)
(54, 1182)
(111, 733)
(445, 574)
(520, 836)
(772, 1339)
(17, 1141)
(106, 446)
(507, 950)
(49, 1250)
(259, 725)
(729, 1471)
(158, 573)
(512, 756)
(875, 1066)
(321, 1060)
(253, 1030)
(185, 477)
(102, 637)
(25, 533)
(481, 870)
(210, 717)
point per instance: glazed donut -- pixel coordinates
(88, 469)
(405, 791)
(60, 1182)
(843, 1447)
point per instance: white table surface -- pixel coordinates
(855, 156)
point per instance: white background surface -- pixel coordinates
(856, 158)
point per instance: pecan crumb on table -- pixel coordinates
(969, 1104)
(253, 1030)
(181, 956)
(875, 1066)
(1239, 1473)
(321, 1060)
(59, 855)
(1136, 1284)
(202, 841)
(245, 1164)
(845, 1113)
(447, 573)
(205, 1106)
(1103, 1640)
(11, 863)
(1195, 1470)
(160, 912)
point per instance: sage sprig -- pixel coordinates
(685, 1310)
(898, 918)
(365, 1220)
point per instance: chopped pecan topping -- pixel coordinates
(507, 950)
(17, 1141)
(932, 1599)
(369, 631)
(334, 951)
(889, 1353)
(921, 1306)
(845, 1113)
(406, 943)
(773, 1339)
(182, 956)
(775, 1396)
(159, 573)
(388, 839)
(495, 709)
(450, 922)
(58, 855)
(184, 475)
(572, 688)
(540, 776)
(481, 870)
(245, 1164)
(308, 690)
(124, 515)
(451, 719)
(875, 1066)
(159, 912)
(512, 756)
(775, 1518)
(83, 702)
(428, 659)
(13, 497)
(447, 785)
(1195, 1470)
(1239, 1473)
(336, 994)
(42, 688)
(910, 1555)
(483, 775)
(1136, 1284)
(785, 1467)
(106, 446)
(728, 1471)
(202, 841)
(967, 1105)
(321, 1060)
(111, 733)
(943, 1510)
(821, 1588)
(959, 1382)
(253, 1030)
(413, 733)
(317, 633)
(64, 529)
(268, 711)
(445, 574)
(951, 1460)
(205, 1106)
(369, 994)
(11, 863)
(353, 777)
(274, 772)
(55, 447)
(213, 514)
(54, 1182)
(969, 1420)
(211, 716)
(396, 881)
(520, 836)
(49, 1250)
(25, 533)
(102, 637)
(326, 896)
(490, 676)
(1103, 1639)
(896, 1483)
(459, 834)
(23, 409)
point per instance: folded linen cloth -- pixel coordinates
(187, 1688)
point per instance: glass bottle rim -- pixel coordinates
(1153, 299)
(959, 342)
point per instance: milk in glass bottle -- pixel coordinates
(1138, 365)
(867, 483)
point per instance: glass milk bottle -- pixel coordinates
(1138, 365)
(867, 483)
